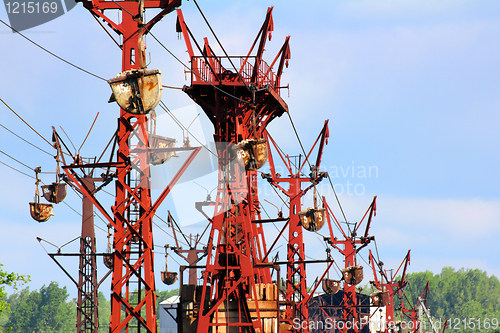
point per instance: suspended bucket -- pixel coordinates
(41, 212)
(330, 286)
(168, 277)
(55, 192)
(159, 142)
(107, 259)
(380, 298)
(251, 153)
(137, 91)
(353, 274)
(312, 219)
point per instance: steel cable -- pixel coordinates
(53, 54)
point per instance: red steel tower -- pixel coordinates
(349, 246)
(388, 289)
(133, 284)
(237, 293)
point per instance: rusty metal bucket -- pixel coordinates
(137, 91)
(312, 219)
(168, 277)
(251, 153)
(158, 142)
(353, 275)
(330, 286)
(107, 259)
(380, 298)
(55, 192)
(41, 212)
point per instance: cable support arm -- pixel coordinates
(337, 222)
(376, 281)
(372, 209)
(182, 27)
(285, 56)
(406, 261)
(167, 10)
(267, 27)
(289, 168)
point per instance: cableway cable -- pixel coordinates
(17, 170)
(180, 61)
(53, 54)
(170, 113)
(220, 44)
(338, 201)
(298, 138)
(15, 159)
(46, 152)
(24, 121)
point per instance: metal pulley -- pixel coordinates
(137, 91)
(251, 153)
(167, 277)
(380, 298)
(330, 286)
(39, 211)
(353, 275)
(312, 219)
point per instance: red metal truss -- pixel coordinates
(349, 246)
(133, 283)
(240, 97)
(389, 285)
(296, 293)
(412, 313)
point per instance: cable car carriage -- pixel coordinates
(107, 258)
(330, 286)
(353, 275)
(40, 212)
(251, 153)
(380, 298)
(137, 91)
(159, 142)
(312, 219)
(167, 277)
(55, 192)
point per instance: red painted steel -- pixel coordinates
(390, 286)
(240, 102)
(349, 246)
(133, 283)
(296, 293)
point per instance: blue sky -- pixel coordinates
(411, 89)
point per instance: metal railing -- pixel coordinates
(212, 70)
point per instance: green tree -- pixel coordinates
(44, 311)
(460, 295)
(12, 280)
(104, 312)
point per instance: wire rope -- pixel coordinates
(220, 44)
(25, 121)
(15, 159)
(53, 54)
(46, 152)
(167, 110)
(180, 61)
(16, 170)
